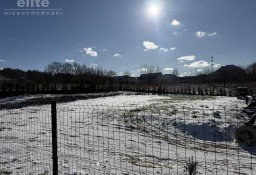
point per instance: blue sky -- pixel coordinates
(123, 35)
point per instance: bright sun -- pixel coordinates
(153, 10)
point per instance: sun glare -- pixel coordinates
(153, 10)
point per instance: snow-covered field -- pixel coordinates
(127, 134)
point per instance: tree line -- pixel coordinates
(57, 77)
(76, 78)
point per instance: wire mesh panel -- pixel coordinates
(124, 139)
(152, 139)
(25, 141)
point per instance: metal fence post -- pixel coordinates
(54, 138)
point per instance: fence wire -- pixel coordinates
(25, 141)
(124, 139)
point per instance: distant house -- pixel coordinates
(126, 80)
(151, 78)
(170, 78)
(158, 78)
(228, 73)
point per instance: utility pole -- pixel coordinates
(211, 64)
(212, 72)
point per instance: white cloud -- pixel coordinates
(200, 34)
(175, 33)
(198, 64)
(70, 61)
(149, 45)
(2, 60)
(175, 22)
(117, 55)
(167, 50)
(89, 51)
(183, 74)
(201, 65)
(93, 66)
(217, 66)
(168, 69)
(164, 49)
(187, 58)
(142, 69)
(212, 34)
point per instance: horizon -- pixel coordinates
(206, 72)
(123, 36)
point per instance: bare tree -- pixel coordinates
(146, 69)
(54, 68)
(251, 71)
(147, 72)
(84, 69)
(207, 70)
(110, 73)
(77, 69)
(127, 73)
(175, 72)
(67, 68)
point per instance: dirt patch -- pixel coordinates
(47, 100)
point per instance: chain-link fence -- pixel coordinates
(124, 139)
